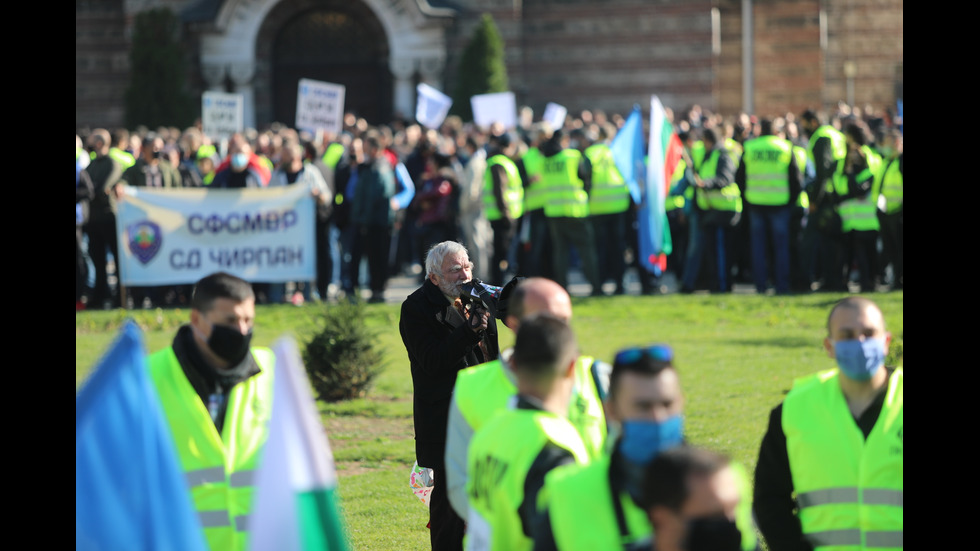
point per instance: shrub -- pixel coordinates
(482, 69)
(341, 358)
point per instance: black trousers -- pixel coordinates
(102, 240)
(374, 242)
(446, 529)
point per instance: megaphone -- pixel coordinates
(489, 297)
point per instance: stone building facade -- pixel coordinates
(762, 56)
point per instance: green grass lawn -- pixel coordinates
(737, 356)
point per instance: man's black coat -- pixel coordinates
(439, 344)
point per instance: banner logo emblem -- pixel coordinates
(145, 239)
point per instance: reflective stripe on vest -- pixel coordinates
(891, 183)
(219, 468)
(484, 390)
(535, 195)
(513, 191)
(850, 491)
(496, 473)
(728, 198)
(566, 192)
(609, 194)
(767, 160)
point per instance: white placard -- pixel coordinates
(432, 106)
(320, 106)
(222, 114)
(178, 236)
(490, 108)
(554, 115)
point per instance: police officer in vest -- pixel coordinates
(821, 244)
(503, 202)
(891, 206)
(512, 453)
(567, 175)
(531, 164)
(216, 392)
(769, 180)
(830, 470)
(601, 505)
(857, 194)
(483, 391)
(719, 203)
(609, 203)
(695, 500)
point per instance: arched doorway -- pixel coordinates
(337, 41)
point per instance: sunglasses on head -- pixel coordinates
(656, 352)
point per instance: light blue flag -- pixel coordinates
(130, 492)
(628, 153)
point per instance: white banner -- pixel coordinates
(491, 108)
(320, 106)
(178, 236)
(432, 106)
(222, 114)
(554, 114)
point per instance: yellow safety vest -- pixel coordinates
(535, 195)
(728, 198)
(766, 160)
(838, 145)
(220, 468)
(609, 193)
(801, 159)
(849, 489)
(860, 213)
(484, 390)
(892, 186)
(596, 526)
(513, 192)
(566, 192)
(497, 472)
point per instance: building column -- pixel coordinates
(214, 76)
(242, 73)
(403, 69)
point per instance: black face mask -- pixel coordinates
(713, 534)
(228, 343)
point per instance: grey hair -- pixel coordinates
(437, 253)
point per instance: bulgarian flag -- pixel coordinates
(648, 179)
(296, 484)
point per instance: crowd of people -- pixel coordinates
(788, 203)
(542, 446)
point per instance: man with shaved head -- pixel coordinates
(831, 468)
(484, 390)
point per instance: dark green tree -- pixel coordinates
(156, 95)
(481, 69)
(342, 356)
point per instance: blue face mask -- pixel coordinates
(860, 360)
(643, 440)
(239, 161)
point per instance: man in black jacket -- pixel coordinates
(441, 338)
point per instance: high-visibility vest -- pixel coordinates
(333, 154)
(484, 390)
(566, 192)
(838, 145)
(890, 182)
(734, 150)
(676, 201)
(767, 160)
(799, 153)
(535, 194)
(498, 468)
(513, 191)
(728, 198)
(125, 159)
(609, 194)
(593, 527)
(596, 527)
(219, 468)
(860, 213)
(849, 489)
